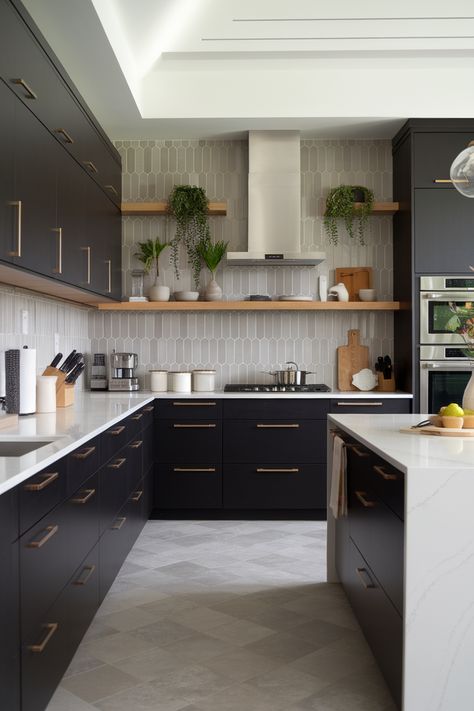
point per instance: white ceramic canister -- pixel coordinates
(158, 381)
(180, 382)
(46, 393)
(203, 381)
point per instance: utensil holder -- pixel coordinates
(385, 385)
(64, 391)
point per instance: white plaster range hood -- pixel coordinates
(274, 197)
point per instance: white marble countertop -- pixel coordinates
(332, 395)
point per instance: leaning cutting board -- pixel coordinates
(351, 359)
(438, 431)
(354, 278)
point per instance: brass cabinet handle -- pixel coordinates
(118, 526)
(118, 463)
(59, 264)
(355, 448)
(30, 94)
(150, 408)
(136, 445)
(90, 165)
(51, 530)
(64, 133)
(111, 188)
(284, 427)
(51, 628)
(137, 417)
(109, 275)
(89, 493)
(366, 503)
(385, 475)
(266, 469)
(46, 480)
(194, 469)
(116, 430)
(87, 250)
(17, 252)
(360, 404)
(448, 180)
(194, 404)
(194, 426)
(88, 570)
(137, 496)
(83, 454)
(365, 578)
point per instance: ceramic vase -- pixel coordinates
(213, 290)
(468, 397)
(158, 293)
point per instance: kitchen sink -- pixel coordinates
(18, 448)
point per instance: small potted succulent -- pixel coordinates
(211, 254)
(149, 254)
(340, 206)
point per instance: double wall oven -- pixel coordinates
(444, 367)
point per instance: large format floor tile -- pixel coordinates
(224, 616)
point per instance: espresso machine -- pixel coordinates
(122, 368)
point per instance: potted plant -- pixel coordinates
(211, 254)
(189, 204)
(149, 254)
(340, 206)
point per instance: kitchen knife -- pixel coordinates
(66, 366)
(75, 373)
(75, 360)
(56, 360)
(387, 367)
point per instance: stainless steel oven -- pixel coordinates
(444, 374)
(435, 295)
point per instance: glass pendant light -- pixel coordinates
(462, 171)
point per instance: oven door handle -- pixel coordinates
(447, 366)
(448, 295)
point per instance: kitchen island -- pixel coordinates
(405, 555)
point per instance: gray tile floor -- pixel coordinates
(224, 616)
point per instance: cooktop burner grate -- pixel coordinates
(269, 388)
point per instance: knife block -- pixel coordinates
(64, 391)
(386, 385)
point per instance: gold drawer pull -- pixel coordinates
(194, 404)
(360, 404)
(84, 454)
(289, 470)
(88, 570)
(385, 475)
(118, 526)
(64, 133)
(109, 276)
(17, 252)
(137, 417)
(281, 427)
(118, 463)
(366, 503)
(194, 469)
(111, 188)
(355, 448)
(137, 444)
(89, 493)
(51, 530)
(447, 180)
(87, 250)
(46, 480)
(150, 408)
(365, 578)
(137, 496)
(51, 628)
(59, 261)
(116, 431)
(194, 426)
(90, 165)
(30, 94)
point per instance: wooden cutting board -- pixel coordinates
(351, 359)
(354, 278)
(438, 431)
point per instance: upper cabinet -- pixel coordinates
(433, 153)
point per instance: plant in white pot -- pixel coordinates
(149, 254)
(211, 253)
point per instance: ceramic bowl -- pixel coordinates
(186, 295)
(367, 294)
(365, 379)
(454, 423)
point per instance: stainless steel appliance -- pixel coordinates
(435, 295)
(444, 374)
(266, 388)
(122, 372)
(99, 372)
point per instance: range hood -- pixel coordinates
(274, 197)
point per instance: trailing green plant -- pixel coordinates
(340, 206)
(211, 253)
(149, 254)
(189, 204)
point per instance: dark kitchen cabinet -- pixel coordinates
(367, 406)
(41, 493)
(433, 153)
(8, 211)
(9, 603)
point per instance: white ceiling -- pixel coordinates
(216, 68)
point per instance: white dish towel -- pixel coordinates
(338, 494)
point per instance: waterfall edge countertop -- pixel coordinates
(438, 617)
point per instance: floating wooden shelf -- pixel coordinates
(251, 306)
(161, 208)
(382, 208)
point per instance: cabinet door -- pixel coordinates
(369, 406)
(290, 442)
(9, 603)
(444, 229)
(189, 441)
(101, 244)
(188, 486)
(70, 221)
(433, 155)
(8, 211)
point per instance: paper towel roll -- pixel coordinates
(46, 393)
(27, 381)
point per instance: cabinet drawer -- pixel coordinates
(114, 545)
(42, 493)
(278, 440)
(372, 406)
(148, 447)
(135, 423)
(278, 409)
(432, 157)
(50, 646)
(197, 485)
(148, 414)
(9, 622)
(389, 485)
(81, 463)
(113, 439)
(380, 622)
(189, 440)
(51, 550)
(191, 409)
(273, 486)
(113, 487)
(9, 515)
(134, 454)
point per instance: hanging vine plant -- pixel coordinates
(340, 206)
(189, 205)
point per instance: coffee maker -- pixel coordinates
(122, 367)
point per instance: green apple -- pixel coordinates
(453, 410)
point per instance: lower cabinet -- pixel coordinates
(9, 604)
(189, 486)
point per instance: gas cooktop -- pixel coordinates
(265, 388)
